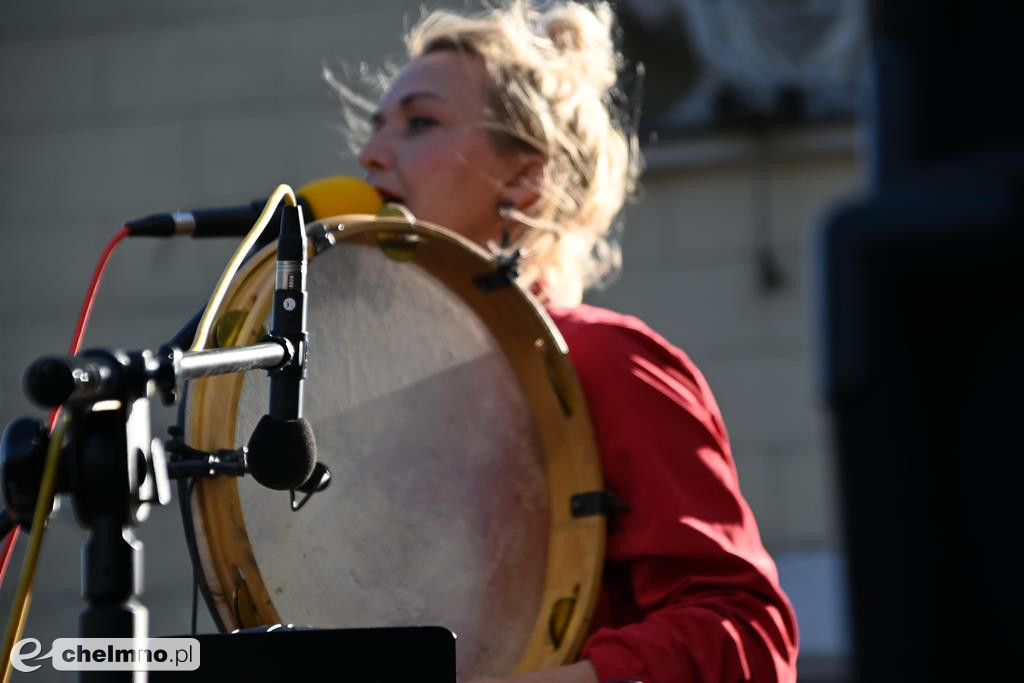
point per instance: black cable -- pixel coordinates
(195, 569)
(185, 504)
(7, 523)
(185, 492)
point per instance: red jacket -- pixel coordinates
(689, 592)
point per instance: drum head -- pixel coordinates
(455, 435)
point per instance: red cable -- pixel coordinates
(83, 317)
(9, 542)
(76, 344)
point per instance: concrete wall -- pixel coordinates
(119, 109)
(691, 269)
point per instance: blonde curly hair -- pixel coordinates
(552, 90)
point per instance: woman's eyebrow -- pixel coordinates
(405, 101)
(377, 117)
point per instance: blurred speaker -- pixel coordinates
(921, 289)
(924, 350)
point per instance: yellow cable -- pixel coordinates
(221, 290)
(44, 505)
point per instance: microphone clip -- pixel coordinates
(317, 482)
(185, 462)
(296, 354)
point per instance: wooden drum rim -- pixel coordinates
(575, 544)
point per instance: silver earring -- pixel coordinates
(505, 211)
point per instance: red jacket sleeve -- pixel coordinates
(689, 592)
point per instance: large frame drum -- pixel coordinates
(444, 404)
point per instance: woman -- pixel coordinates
(500, 129)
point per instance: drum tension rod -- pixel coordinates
(596, 503)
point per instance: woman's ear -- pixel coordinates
(525, 181)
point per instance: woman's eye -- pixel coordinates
(420, 123)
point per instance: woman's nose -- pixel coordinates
(376, 154)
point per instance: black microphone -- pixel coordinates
(55, 380)
(282, 450)
(322, 198)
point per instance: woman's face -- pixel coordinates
(431, 150)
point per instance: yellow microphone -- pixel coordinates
(338, 195)
(321, 198)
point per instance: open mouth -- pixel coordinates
(389, 197)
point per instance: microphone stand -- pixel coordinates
(110, 465)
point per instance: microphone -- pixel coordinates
(91, 376)
(321, 198)
(282, 450)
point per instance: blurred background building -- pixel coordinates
(120, 109)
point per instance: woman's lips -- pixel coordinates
(389, 197)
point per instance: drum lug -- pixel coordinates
(596, 503)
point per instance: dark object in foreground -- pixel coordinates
(420, 653)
